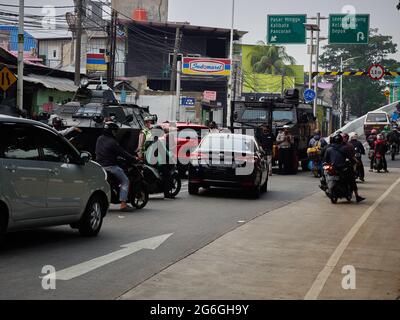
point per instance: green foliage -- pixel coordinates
(271, 60)
(361, 93)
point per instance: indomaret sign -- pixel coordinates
(206, 66)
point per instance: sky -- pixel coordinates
(251, 15)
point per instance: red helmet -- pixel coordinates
(373, 131)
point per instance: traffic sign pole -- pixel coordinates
(317, 64)
(20, 85)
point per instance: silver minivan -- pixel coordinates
(45, 181)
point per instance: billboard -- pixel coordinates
(206, 66)
(155, 10)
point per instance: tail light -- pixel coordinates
(329, 169)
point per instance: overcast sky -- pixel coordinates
(251, 15)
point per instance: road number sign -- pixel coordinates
(376, 72)
(7, 79)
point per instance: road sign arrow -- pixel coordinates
(360, 36)
(128, 249)
(274, 39)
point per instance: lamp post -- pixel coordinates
(313, 28)
(341, 87)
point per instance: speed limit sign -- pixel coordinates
(376, 72)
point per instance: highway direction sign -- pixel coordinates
(348, 29)
(286, 29)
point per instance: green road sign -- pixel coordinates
(348, 29)
(286, 29)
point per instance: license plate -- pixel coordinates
(332, 178)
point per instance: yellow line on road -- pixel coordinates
(325, 273)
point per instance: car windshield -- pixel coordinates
(282, 115)
(227, 143)
(88, 112)
(377, 117)
(258, 115)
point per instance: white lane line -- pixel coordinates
(323, 276)
(128, 249)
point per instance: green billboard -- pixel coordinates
(286, 29)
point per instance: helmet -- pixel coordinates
(373, 131)
(57, 123)
(148, 118)
(111, 128)
(337, 139)
(380, 137)
(353, 136)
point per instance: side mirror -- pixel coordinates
(85, 157)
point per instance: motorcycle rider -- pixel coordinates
(359, 148)
(336, 154)
(371, 143)
(381, 148)
(144, 136)
(393, 137)
(57, 124)
(107, 151)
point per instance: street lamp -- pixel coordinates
(341, 86)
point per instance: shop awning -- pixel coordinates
(60, 84)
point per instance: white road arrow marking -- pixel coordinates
(85, 267)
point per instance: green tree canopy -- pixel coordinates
(361, 93)
(270, 59)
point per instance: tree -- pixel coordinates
(361, 93)
(270, 59)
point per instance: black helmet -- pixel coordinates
(337, 139)
(57, 123)
(111, 128)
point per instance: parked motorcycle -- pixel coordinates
(167, 182)
(138, 194)
(336, 186)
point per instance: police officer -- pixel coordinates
(145, 136)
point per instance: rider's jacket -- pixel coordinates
(108, 150)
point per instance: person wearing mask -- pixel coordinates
(336, 154)
(285, 142)
(348, 145)
(381, 148)
(267, 140)
(144, 136)
(359, 149)
(107, 152)
(57, 124)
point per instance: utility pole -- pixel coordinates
(178, 90)
(229, 96)
(20, 85)
(78, 9)
(317, 63)
(113, 44)
(341, 95)
(175, 58)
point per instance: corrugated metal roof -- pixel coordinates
(29, 40)
(59, 84)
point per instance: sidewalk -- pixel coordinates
(280, 254)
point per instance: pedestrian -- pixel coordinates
(285, 142)
(267, 141)
(213, 127)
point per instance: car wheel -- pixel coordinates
(256, 191)
(264, 188)
(92, 219)
(193, 189)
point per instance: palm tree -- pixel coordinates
(270, 59)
